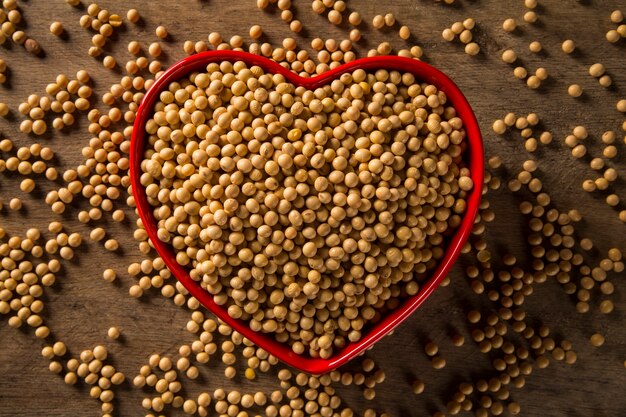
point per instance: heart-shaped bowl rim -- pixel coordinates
(423, 73)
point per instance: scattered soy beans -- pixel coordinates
(509, 25)
(113, 333)
(161, 32)
(596, 339)
(575, 90)
(56, 28)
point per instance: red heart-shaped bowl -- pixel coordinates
(473, 157)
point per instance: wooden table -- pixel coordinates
(81, 306)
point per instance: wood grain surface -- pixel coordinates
(81, 306)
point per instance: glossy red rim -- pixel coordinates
(423, 72)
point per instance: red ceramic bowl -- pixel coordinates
(422, 72)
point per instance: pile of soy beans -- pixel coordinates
(306, 213)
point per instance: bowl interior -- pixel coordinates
(473, 158)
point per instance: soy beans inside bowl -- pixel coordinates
(312, 215)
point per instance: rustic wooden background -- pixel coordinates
(81, 306)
